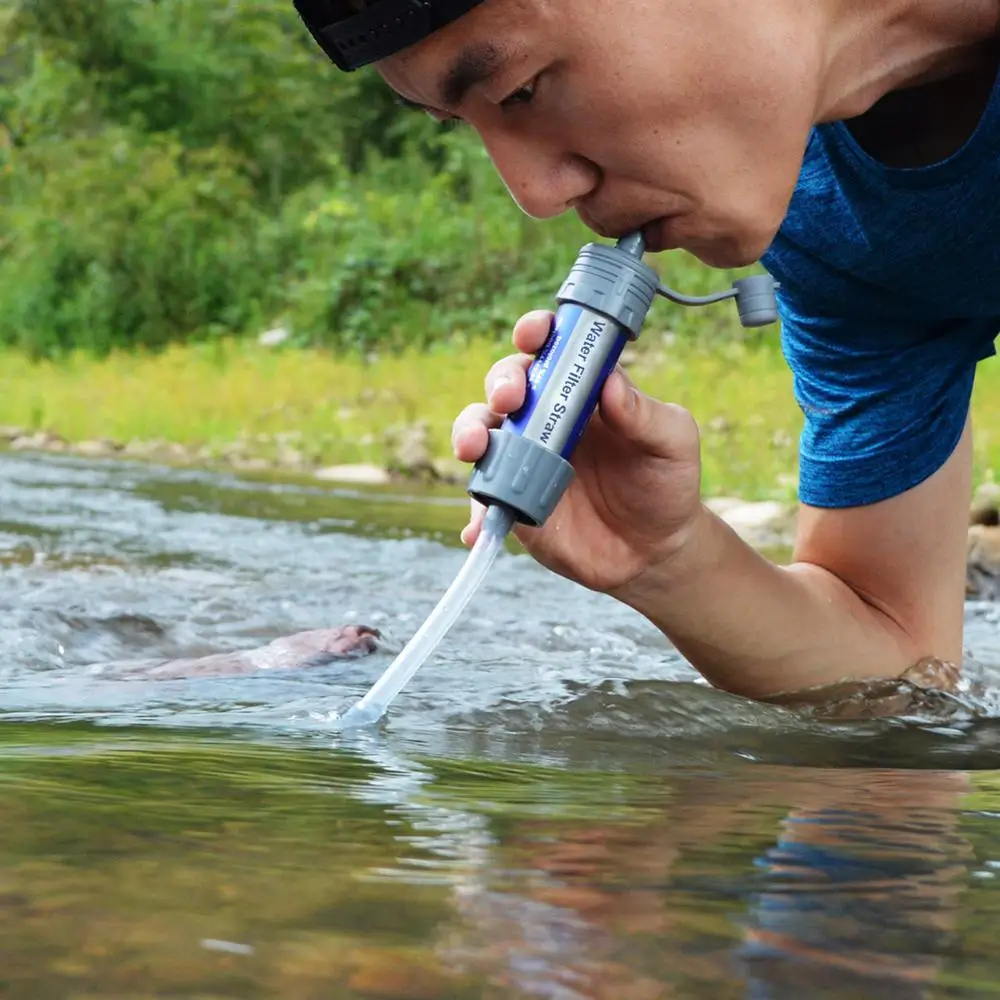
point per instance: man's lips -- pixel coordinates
(658, 234)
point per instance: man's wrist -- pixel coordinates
(698, 554)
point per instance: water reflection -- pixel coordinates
(788, 883)
(860, 893)
(186, 866)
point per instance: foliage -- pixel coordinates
(189, 169)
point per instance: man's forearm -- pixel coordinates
(758, 629)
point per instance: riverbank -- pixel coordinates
(253, 408)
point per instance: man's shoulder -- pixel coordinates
(862, 236)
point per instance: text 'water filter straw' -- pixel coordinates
(525, 470)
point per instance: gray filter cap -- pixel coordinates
(522, 475)
(611, 281)
(755, 300)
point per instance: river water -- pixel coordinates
(556, 807)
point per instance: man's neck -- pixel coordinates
(876, 47)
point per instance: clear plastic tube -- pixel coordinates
(373, 705)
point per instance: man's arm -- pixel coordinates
(871, 591)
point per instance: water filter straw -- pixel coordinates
(603, 304)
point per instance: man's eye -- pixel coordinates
(523, 95)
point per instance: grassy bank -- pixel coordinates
(335, 410)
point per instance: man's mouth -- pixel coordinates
(656, 232)
(658, 235)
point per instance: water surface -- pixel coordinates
(556, 807)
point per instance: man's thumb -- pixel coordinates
(659, 428)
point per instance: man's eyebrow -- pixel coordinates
(475, 64)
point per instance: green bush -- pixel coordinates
(408, 254)
(187, 168)
(125, 240)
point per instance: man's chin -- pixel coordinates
(726, 252)
(727, 257)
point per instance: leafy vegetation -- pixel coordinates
(190, 170)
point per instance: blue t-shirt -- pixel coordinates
(890, 296)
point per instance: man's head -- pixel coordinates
(687, 117)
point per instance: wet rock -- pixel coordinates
(157, 449)
(97, 448)
(291, 458)
(369, 475)
(982, 563)
(139, 448)
(172, 451)
(410, 450)
(232, 451)
(986, 505)
(39, 441)
(451, 470)
(762, 523)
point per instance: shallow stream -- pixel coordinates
(556, 807)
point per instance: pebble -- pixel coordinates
(371, 475)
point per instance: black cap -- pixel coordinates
(382, 29)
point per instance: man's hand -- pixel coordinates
(636, 492)
(872, 590)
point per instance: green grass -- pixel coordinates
(340, 409)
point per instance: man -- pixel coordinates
(854, 147)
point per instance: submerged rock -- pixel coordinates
(931, 687)
(304, 649)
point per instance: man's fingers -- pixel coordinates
(505, 390)
(471, 531)
(470, 431)
(506, 383)
(532, 330)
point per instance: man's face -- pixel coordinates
(687, 117)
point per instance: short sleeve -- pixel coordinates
(885, 399)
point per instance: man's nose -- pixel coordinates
(544, 179)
